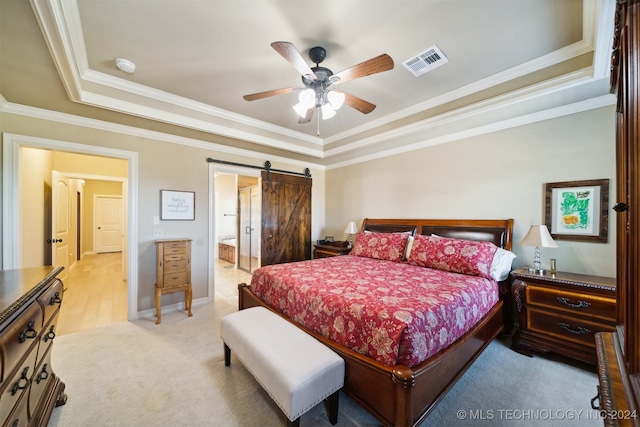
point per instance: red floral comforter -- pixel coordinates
(393, 312)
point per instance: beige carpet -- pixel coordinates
(173, 374)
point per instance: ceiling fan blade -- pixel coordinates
(359, 104)
(261, 95)
(291, 54)
(307, 117)
(372, 66)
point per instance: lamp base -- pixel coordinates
(539, 271)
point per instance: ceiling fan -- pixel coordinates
(318, 91)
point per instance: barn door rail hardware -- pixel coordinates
(266, 167)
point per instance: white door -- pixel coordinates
(108, 223)
(61, 223)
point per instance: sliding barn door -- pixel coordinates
(286, 218)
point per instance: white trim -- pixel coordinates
(10, 198)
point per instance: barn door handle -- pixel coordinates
(621, 207)
(247, 229)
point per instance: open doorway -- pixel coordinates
(236, 228)
(29, 211)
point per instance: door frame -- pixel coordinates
(222, 168)
(11, 206)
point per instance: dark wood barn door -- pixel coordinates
(286, 218)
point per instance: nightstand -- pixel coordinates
(325, 251)
(562, 312)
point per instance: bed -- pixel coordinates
(397, 386)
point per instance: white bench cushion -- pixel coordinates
(296, 370)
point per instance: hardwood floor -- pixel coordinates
(95, 294)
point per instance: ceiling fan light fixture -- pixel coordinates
(301, 109)
(327, 111)
(335, 98)
(307, 98)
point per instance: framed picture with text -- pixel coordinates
(578, 210)
(177, 205)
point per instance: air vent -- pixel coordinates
(425, 61)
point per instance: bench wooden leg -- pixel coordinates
(331, 406)
(227, 355)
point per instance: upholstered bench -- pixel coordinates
(296, 370)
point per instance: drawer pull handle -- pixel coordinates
(51, 335)
(17, 385)
(30, 332)
(579, 304)
(43, 375)
(55, 299)
(579, 331)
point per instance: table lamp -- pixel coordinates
(351, 230)
(539, 237)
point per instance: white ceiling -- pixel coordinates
(195, 59)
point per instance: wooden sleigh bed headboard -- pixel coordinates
(496, 231)
(400, 395)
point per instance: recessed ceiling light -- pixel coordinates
(125, 65)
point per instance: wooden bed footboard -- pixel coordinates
(399, 395)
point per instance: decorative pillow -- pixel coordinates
(456, 255)
(501, 265)
(385, 246)
(408, 250)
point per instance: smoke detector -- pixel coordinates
(125, 65)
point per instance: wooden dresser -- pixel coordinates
(30, 301)
(562, 312)
(173, 272)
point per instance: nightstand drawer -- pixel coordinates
(588, 305)
(566, 327)
(173, 248)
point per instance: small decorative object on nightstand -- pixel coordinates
(539, 237)
(351, 229)
(562, 312)
(328, 249)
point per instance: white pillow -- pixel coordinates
(501, 264)
(408, 250)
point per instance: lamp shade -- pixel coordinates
(538, 235)
(351, 228)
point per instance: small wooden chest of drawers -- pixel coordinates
(173, 272)
(562, 312)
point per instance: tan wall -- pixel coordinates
(498, 175)
(163, 165)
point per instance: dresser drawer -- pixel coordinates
(175, 279)
(572, 302)
(19, 337)
(565, 326)
(20, 416)
(175, 266)
(15, 385)
(51, 300)
(42, 378)
(175, 248)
